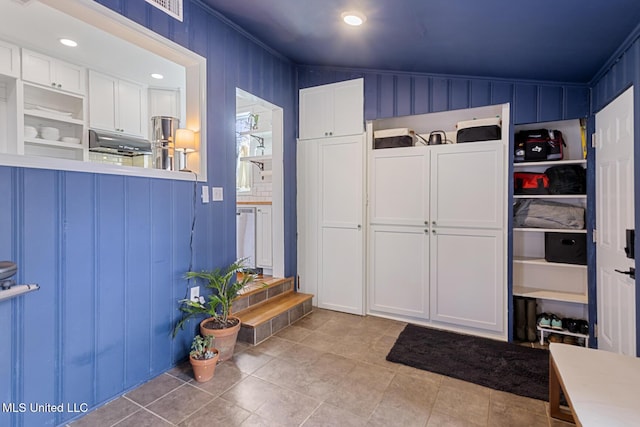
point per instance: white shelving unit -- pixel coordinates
(559, 288)
(50, 107)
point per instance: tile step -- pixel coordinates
(259, 323)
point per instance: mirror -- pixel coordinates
(111, 45)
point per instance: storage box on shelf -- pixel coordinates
(561, 288)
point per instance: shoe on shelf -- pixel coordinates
(570, 324)
(544, 320)
(555, 338)
(556, 322)
(582, 327)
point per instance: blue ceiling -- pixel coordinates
(555, 40)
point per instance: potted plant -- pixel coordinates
(203, 358)
(225, 286)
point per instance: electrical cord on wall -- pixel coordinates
(193, 226)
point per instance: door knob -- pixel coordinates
(631, 273)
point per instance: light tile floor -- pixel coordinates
(328, 369)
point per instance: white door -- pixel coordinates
(341, 236)
(348, 107)
(614, 214)
(307, 215)
(399, 270)
(467, 278)
(37, 68)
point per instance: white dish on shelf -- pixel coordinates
(52, 111)
(30, 132)
(70, 139)
(50, 133)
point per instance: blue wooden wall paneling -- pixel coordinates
(8, 350)
(111, 277)
(77, 290)
(137, 253)
(397, 94)
(40, 259)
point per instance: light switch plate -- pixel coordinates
(205, 194)
(216, 194)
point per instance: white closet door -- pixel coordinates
(316, 104)
(467, 185)
(400, 186)
(341, 241)
(399, 270)
(307, 213)
(348, 107)
(467, 278)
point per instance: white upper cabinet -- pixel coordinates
(47, 71)
(117, 105)
(9, 59)
(332, 110)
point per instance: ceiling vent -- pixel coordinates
(170, 7)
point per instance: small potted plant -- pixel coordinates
(203, 358)
(225, 286)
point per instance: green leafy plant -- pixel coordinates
(202, 347)
(225, 287)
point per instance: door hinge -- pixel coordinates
(595, 330)
(595, 236)
(593, 140)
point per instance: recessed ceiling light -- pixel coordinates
(353, 18)
(68, 42)
(157, 76)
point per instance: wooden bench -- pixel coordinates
(602, 388)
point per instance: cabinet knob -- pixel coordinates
(330, 133)
(59, 86)
(426, 223)
(433, 223)
(326, 134)
(433, 231)
(53, 84)
(359, 226)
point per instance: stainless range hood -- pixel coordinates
(114, 143)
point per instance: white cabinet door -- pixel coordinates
(164, 102)
(69, 77)
(264, 240)
(467, 278)
(9, 59)
(341, 237)
(47, 71)
(348, 107)
(336, 109)
(399, 186)
(399, 270)
(37, 68)
(102, 101)
(131, 107)
(117, 105)
(467, 185)
(315, 103)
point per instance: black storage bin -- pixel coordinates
(567, 248)
(393, 138)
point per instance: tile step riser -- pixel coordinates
(275, 324)
(253, 300)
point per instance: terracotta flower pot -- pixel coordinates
(203, 369)
(225, 339)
